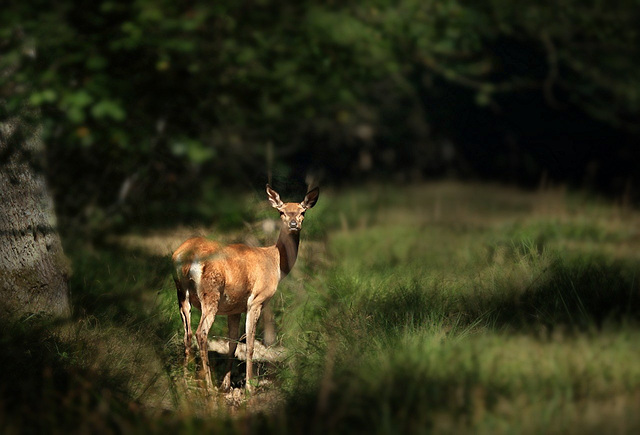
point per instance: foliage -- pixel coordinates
(141, 100)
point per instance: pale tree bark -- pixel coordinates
(33, 269)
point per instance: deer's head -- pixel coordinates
(292, 213)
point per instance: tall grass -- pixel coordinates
(441, 307)
(487, 315)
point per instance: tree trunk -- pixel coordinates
(33, 268)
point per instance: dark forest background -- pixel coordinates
(146, 105)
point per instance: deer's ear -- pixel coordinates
(310, 199)
(274, 198)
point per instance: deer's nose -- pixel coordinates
(293, 224)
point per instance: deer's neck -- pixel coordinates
(287, 246)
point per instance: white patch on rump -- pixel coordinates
(195, 273)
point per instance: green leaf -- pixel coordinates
(194, 150)
(108, 109)
(77, 99)
(43, 97)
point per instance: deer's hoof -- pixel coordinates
(251, 386)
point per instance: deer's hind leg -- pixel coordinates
(185, 315)
(209, 307)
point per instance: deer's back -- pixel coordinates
(235, 272)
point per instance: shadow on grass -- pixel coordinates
(402, 390)
(49, 384)
(84, 373)
(575, 294)
(121, 287)
(46, 384)
(578, 294)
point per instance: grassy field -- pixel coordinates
(431, 308)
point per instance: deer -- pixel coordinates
(233, 279)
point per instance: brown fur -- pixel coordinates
(234, 279)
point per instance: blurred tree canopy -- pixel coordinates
(140, 100)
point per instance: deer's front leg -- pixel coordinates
(253, 314)
(233, 320)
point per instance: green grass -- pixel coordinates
(493, 313)
(434, 308)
